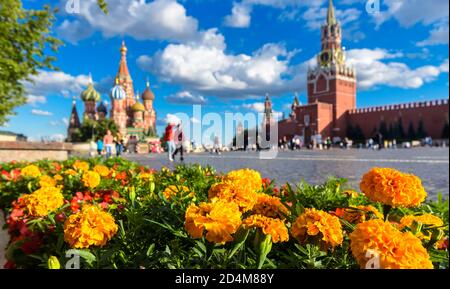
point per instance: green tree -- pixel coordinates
(445, 132)
(421, 133)
(411, 132)
(400, 130)
(92, 130)
(24, 38)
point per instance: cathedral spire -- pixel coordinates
(331, 18)
(123, 67)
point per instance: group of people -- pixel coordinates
(108, 143)
(174, 138)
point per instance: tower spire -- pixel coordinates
(331, 18)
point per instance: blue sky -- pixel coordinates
(227, 55)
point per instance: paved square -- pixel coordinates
(430, 164)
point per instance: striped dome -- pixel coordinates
(117, 92)
(90, 94)
(138, 107)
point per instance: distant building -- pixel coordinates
(10, 136)
(331, 109)
(132, 116)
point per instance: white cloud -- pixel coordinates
(292, 10)
(65, 120)
(240, 16)
(438, 35)
(35, 99)
(159, 19)
(185, 97)
(410, 12)
(205, 67)
(41, 112)
(56, 82)
(256, 107)
(373, 70)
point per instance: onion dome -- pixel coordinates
(90, 94)
(138, 107)
(148, 94)
(117, 92)
(102, 108)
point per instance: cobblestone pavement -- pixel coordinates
(430, 164)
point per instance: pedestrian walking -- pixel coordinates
(169, 138)
(99, 146)
(216, 147)
(179, 140)
(108, 142)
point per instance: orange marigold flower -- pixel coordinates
(318, 226)
(392, 187)
(250, 179)
(81, 166)
(91, 179)
(270, 206)
(71, 172)
(219, 219)
(89, 227)
(146, 176)
(102, 170)
(58, 178)
(47, 181)
(243, 196)
(269, 226)
(360, 214)
(30, 171)
(426, 219)
(180, 191)
(395, 250)
(43, 201)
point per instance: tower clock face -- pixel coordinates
(325, 58)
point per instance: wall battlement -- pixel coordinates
(411, 105)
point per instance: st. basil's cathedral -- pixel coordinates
(131, 116)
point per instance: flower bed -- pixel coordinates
(118, 214)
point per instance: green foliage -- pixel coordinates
(24, 37)
(92, 130)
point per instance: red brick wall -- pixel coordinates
(434, 115)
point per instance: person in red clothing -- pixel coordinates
(170, 139)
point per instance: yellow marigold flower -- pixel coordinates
(250, 179)
(237, 193)
(181, 191)
(395, 250)
(269, 226)
(91, 179)
(58, 178)
(30, 171)
(219, 219)
(270, 206)
(146, 176)
(89, 227)
(81, 166)
(319, 226)
(47, 181)
(71, 172)
(360, 214)
(43, 201)
(392, 187)
(426, 219)
(101, 170)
